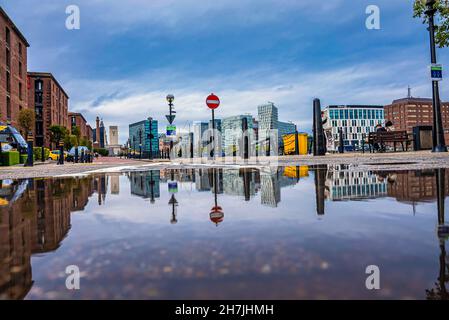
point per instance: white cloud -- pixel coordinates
(292, 91)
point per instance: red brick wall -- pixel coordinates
(55, 103)
(16, 77)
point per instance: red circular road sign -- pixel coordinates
(212, 101)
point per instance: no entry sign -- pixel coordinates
(213, 102)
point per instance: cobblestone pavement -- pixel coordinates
(52, 169)
(378, 161)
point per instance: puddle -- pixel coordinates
(277, 233)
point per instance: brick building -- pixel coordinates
(50, 102)
(78, 120)
(416, 186)
(13, 68)
(410, 112)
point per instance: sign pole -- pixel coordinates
(213, 102)
(213, 134)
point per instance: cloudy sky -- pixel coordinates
(128, 55)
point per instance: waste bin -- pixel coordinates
(422, 138)
(303, 140)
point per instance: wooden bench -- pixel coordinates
(382, 137)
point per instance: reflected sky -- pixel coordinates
(272, 233)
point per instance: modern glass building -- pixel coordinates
(356, 122)
(232, 132)
(268, 117)
(285, 128)
(139, 135)
(199, 128)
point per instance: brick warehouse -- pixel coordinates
(50, 102)
(78, 120)
(13, 66)
(409, 112)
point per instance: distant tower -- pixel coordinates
(97, 131)
(409, 92)
(113, 135)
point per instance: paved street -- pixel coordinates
(378, 161)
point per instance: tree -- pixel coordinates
(441, 19)
(26, 120)
(57, 133)
(77, 133)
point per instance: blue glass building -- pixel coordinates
(139, 135)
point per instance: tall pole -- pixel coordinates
(151, 138)
(212, 153)
(438, 133)
(318, 133)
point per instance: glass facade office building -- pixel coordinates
(356, 122)
(139, 134)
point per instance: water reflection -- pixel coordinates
(35, 215)
(34, 219)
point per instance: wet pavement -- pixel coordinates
(293, 232)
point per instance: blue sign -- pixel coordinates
(171, 130)
(436, 72)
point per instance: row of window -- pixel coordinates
(348, 114)
(355, 123)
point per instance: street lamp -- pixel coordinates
(140, 143)
(170, 99)
(438, 133)
(151, 136)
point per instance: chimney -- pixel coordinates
(97, 131)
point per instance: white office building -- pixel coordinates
(356, 122)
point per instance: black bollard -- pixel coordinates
(191, 144)
(76, 155)
(30, 159)
(341, 147)
(296, 143)
(61, 153)
(245, 138)
(318, 132)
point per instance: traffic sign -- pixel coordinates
(171, 130)
(173, 188)
(436, 72)
(213, 102)
(170, 118)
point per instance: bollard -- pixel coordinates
(61, 153)
(191, 144)
(30, 140)
(296, 143)
(341, 147)
(76, 155)
(245, 138)
(318, 133)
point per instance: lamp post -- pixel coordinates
(151, 136)
(170, 99)
(140, 143)
(438, 133)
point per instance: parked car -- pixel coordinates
(54, 155)
(80, 150)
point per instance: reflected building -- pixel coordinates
(270, 189)
(145, 184)
(240, 183)
(343, 183)
(115, 184)
(34, 219)
(413, 186)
